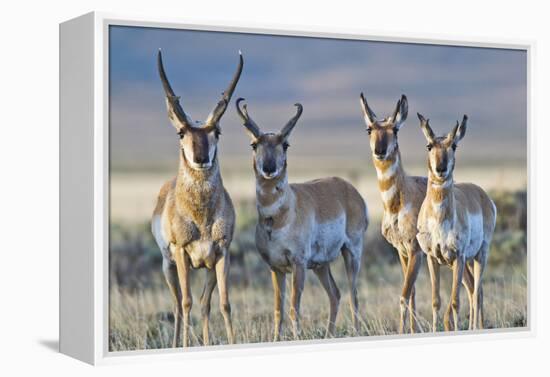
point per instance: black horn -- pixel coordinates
(247, 121)
(292, 122)
(175, 111)
(220, 108)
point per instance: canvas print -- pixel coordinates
(268, 188)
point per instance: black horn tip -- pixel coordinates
(239, 100)
(362, 96)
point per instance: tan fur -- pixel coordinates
(303, 226)
(401, 195)
(455, 228)
(198, 222)
(194, 218)
(400, 231)
(294, 223)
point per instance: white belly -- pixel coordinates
(327, 241)
(314, 246)
(476, 235)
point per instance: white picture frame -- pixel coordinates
(84, 168)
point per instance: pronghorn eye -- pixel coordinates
(429, 147)
(254, 146)
(395, 129)
(217, 133)
(285, 146)
(369, 130)
(181, 133)
(454, 147)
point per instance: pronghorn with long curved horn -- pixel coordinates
(303, 226)
(194, 219)
(402, 197)
(456, 221)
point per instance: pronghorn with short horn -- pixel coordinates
(303, 226)
(455, 224)
(402, 197)
(194, 218)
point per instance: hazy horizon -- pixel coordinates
(326, 76)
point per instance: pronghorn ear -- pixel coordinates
(461, 129)
(401, 111)
(368, 114)
(426, 129)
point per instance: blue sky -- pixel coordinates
(326, 76)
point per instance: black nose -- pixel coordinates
(269, 167)
(380, 151)
(200, 159)
(441, 168)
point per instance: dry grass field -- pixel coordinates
(141, 307)
(141, 317)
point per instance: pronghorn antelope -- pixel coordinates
(194, 218)
(455, 224)
(303, 226)
(402, 197)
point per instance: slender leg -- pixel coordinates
(298, 279)
(222, 275)
(479, 267)
(413, 266)
(433, 267)
(480, 300)
(413, 323)
(206, 296)
(171, 275)
(279, 281)
(403, 308)
(447, 317)
(468, 283)
(182, 264)
(458, 271)
(352, 265)
(325, 277)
